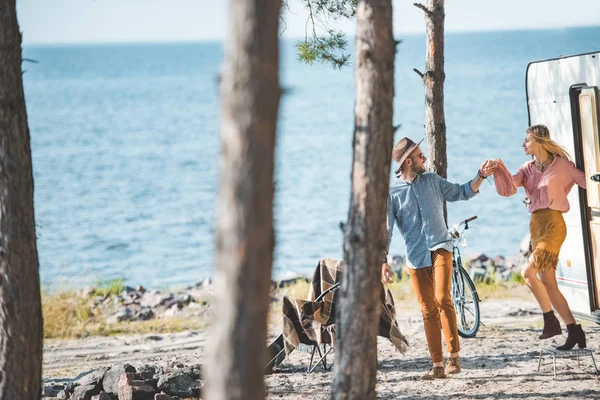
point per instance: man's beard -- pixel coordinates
(418, 170)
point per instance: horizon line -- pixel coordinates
(285, 37)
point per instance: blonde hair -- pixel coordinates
(541, 134)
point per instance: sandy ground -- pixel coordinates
(500, 363)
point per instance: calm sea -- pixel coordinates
(125, 149)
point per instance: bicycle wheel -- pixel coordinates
(466, 302)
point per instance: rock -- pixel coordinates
(124, 314)
(88, 291)
(127, 289)
(85, 392)
(111, 377)
(194, 370)
(175, 364)
(154, 299)
(525, 246)
(151, 371)
(144, 314)
(172, 311)
(62, 395)
(184, 298)
(179, 383)
(162, 396)
(52, 390)
(90, 378)
(475, 257)
(133, 388)
(204, 283)
(102, 396)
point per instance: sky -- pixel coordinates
(113, 21)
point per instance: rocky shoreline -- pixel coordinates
(126, 382)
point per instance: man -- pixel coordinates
(415, 204)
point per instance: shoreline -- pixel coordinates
(500, 362)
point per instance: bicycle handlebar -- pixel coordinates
(455, 232)
(466, 221)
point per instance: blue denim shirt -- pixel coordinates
(417, 208)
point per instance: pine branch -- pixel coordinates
(422, 7)
(324, 44)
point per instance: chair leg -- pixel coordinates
(594, 361)
(310, 366)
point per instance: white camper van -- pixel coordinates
(563, 94)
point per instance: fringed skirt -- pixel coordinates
(548, 232)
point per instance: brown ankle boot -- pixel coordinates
(576, 337)
(551, 325)
(434, 373)
(452, 366)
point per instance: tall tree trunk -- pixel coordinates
(365, 232)
(245, 238)
(433, 81)
(21, 327)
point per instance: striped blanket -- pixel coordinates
(312, 321)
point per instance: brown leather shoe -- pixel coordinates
(453, 366)
(434, 373)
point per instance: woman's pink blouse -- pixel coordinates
(549, 189)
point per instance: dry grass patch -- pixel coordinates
(68, 315)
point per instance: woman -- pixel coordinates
(547, 180)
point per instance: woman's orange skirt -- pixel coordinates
(548, 232)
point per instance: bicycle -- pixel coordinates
(464, 294)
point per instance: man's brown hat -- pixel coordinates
(402, 150)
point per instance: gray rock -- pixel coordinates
(194, 370)
(162, 396)
(172, 311)
(154, 299)
(90, 378)
(124, 314)
(102, 396)
(62, 395)
(111, 377)
(52, 390)
(144, 314)
(85, 392)
(151, 371)
(179, 383)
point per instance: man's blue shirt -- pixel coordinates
(417, 208)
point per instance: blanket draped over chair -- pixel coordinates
(310, 322)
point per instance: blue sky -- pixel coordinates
(98, 21)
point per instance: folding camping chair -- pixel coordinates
(276, 350)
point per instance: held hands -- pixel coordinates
(386, 273)
(487, 168)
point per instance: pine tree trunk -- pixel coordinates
(433, 81)
(365, 232)
(245, 238)
(21, 327)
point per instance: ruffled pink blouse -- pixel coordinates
(549, 189)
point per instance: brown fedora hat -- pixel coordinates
(402, 150)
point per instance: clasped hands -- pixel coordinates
(488, 168)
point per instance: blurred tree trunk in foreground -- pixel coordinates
(20, 303)
(245, 238)
(433, 82)
(365, 232)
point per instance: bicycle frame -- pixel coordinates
(462, 285)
